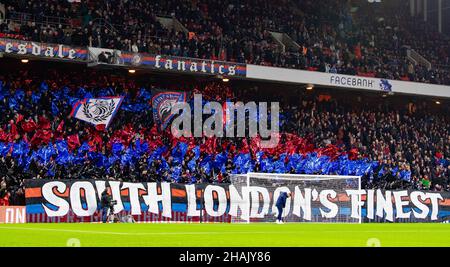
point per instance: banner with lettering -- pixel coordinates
(12, 214)
(43, 50)
(167, 63)
(79, 201)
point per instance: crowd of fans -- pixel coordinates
(330, 37)
(392, 146)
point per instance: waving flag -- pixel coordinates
(162, 103)
(97, 111)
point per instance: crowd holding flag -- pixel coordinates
(212, 156)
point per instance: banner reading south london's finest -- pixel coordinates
(79, 201)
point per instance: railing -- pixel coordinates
(104, 24)
(2, 11)
(419, 59)
(23, 18)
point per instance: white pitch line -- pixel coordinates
(208, 233)
(147, 233)
(390, 231)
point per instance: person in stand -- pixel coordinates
(105, 203)
(280, 204)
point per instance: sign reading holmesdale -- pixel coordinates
(43, 50)
(81, 198)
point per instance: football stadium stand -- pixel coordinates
(336, 36)
(393, 141)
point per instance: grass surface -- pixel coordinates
(225, 235)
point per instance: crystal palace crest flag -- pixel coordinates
(162, 103)
(97, 111)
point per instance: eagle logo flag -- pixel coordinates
(162, 103)
(97, 111)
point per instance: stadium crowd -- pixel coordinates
(330, 37)
(391, 147)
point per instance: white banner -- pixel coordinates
(345, 81)
(59, 198)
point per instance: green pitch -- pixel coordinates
(226, 235)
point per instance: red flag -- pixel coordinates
(3, 135)
(153, 144)
(255, 143)
(73, 141)
(5, 200)
(191, 143)
(100, 127)
(209, 146)
(25, 139)
(13, 134)
(212, 145)
(59, 133)
(95, 141)
(154, 131)
(19, 118)
(353, 154)
(28, 126)
(245, 148)
(41, 137)
(60, 126)
(330, 150)
(43, 123)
